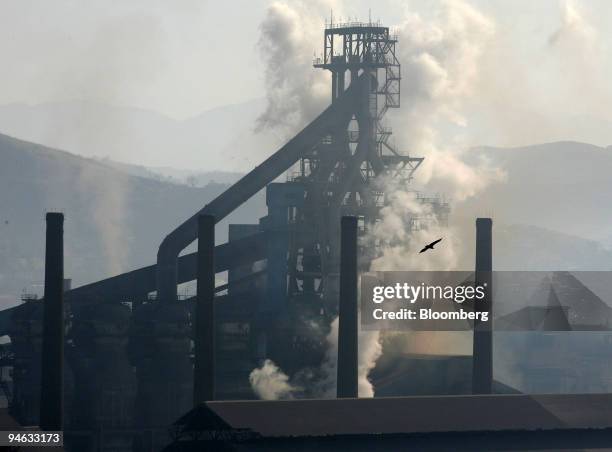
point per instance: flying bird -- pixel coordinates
(430, 246)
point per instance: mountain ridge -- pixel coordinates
(114, 220)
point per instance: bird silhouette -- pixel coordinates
(430, 246)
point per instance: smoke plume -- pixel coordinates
(370, 350)
(577, 50)
(269, 382)
(440, 71)
(574, 29)
(295, 92)
(440, 60)
(406, 224)
(108, 209)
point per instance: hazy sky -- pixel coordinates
(185, 56)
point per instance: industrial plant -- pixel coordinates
(126, 364)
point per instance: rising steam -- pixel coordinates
(108, 209)
(574, 29)
(295, 92)
(440, 61)
(577, 47)
(269, 382)
(406, 224)
(447, 64)
(440, 70)
(370, 350)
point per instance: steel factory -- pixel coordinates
(126, 364)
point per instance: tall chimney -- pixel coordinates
(348, 326)
(52, 388)
(482, 354)
(204, 368)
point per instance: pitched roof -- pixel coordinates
(401, 415)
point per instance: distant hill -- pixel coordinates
(114, 220)
(143, 137)
(519, 247)
(524, 247)
(117, 214)
(564, 186)
(191, 177)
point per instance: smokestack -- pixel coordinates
(52, 372)
(347, 326)
(204, 368)
(482, 355)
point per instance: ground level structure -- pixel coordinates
(470, 422)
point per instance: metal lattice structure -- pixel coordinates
(282, 289)
(339, 172)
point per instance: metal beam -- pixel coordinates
(142, 281)
(337, 113)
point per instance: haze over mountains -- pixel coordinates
(142, 137)
(114, 220)
(563, 186)
(224, 139)
(550, 213)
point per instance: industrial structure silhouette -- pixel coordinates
(132, 346)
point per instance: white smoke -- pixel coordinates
(369, 350)
(295, 91)
(576, 46)
(406, 225)
(440, 71)
(120, 52)
(574, 29)
(108, 209)
(440, 60)
(546, 86)
(269, 382)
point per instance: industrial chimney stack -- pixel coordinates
(348, 321)
(52, 388)
(482, 355)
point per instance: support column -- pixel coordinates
(482, 354)
(334, 86)
(348, 319)
(340, 86)
(52, 389)
(204, 368)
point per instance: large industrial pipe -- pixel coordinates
(204, 368)
(336, 115)
(348, 322)
(482, 354)
(52, 387)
